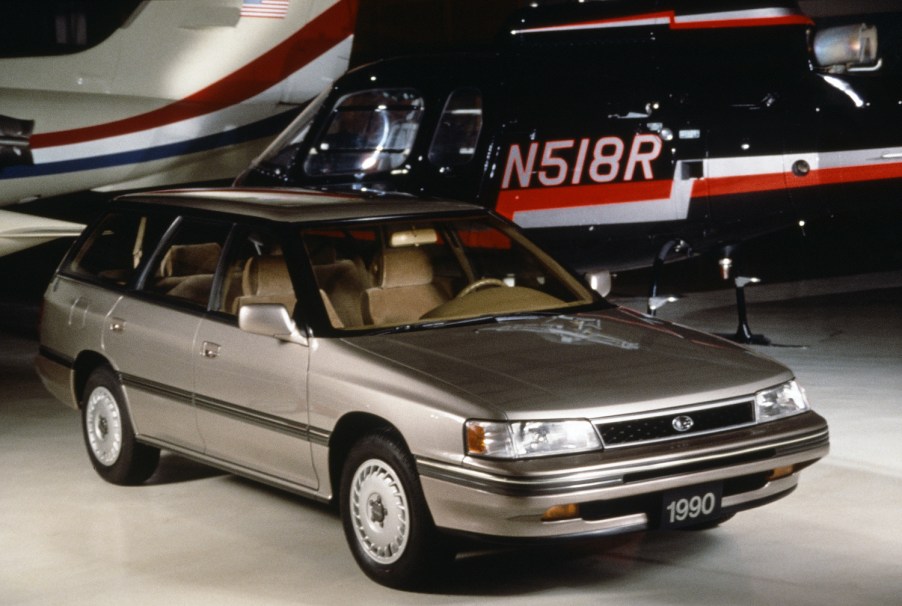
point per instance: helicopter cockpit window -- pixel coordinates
(457, 133)
(368, 132)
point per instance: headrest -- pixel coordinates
(265, 276)
(190, 259)
(403, 267)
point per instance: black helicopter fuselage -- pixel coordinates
(609, 130)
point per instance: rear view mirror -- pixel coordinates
(600, 281)
(413, 237)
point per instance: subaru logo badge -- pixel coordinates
(682, 423)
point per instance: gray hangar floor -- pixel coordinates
(195, 536)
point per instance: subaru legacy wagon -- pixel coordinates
(419, 363)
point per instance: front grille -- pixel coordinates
(638, 430)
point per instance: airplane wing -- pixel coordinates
(19, 231)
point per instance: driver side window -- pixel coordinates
(257, 272)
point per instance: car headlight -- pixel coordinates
(523, 439)
(781, 401)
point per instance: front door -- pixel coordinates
(251, 390)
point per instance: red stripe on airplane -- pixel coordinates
(324, 32)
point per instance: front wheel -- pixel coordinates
(114, 452)
(385, 517)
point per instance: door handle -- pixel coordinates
(117, 324)
(210, 350)
(801, 168)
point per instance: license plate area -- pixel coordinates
(691, 505)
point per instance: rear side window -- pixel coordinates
(186, 267)
(457, 133)
(116, 246)
(367, 132)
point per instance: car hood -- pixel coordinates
(618, 360)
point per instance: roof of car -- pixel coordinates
(296, 205)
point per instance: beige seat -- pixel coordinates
(190, 259)
(186, 271)
(405, 289)
(266, 280)
(342, 283)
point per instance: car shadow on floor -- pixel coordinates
(527, 570)
(175, 469)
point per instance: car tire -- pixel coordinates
(385, 517)
(107, 428)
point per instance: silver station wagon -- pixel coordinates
(420, 363)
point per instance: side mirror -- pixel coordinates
(847, 48)
(270, 320)
(600, 281)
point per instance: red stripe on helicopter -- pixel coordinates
(779, 17)
(324, 32)
(511, 201)
(727, 186)
(854, 174)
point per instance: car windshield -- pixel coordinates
(423, 272)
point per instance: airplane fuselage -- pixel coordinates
(180, 92)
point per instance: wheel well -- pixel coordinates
(85, 364)
(348, 431)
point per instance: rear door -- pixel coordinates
(150, 333)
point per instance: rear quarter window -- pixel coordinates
(116, 246)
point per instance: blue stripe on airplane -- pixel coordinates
(256, 130)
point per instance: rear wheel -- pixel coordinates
(114, 452)
(385, 517)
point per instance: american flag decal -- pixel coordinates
(268, 9)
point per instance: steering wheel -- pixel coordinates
(481, 283)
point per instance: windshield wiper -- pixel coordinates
(457, 322)
(436, 324)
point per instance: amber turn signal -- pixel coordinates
(780, 472)
(561, 512)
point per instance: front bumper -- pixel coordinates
(622, 491)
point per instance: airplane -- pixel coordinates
(622, 133)
(177, 92)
